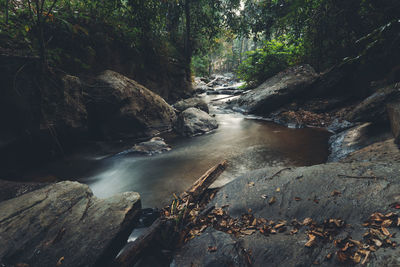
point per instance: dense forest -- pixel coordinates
(145, 37)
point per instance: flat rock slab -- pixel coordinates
(64, 223)
(303, 192)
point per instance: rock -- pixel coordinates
(73, 113)
(65, 223)
(339, 125)
(394, 117)
(193, 121)
(385, 151)
(120, 107)
(9, 189)
(356, 199)
(155, 146)
(354, 139)
(194, 102)
(200, 89)
(373, 109)
(278, 90)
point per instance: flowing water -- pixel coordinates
(247, 143)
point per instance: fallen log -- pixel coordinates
(133, 250)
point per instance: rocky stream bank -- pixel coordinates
(344, 212)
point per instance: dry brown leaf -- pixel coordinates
(212, 249)
(279, 225)
(272, 200)
(293, 231)
(335, 193)
(398, 221)
(21, 265)
(356, 258)
(366, 258)
(251, 184)
(311, 241)
(248, 232)
(357, 243)
(278, 189)
(254, 223)
(377, 242)
(329, 256)
(385, 231)
(387, 223)
(218, 212)
(307, 221)
(60, 261)
(297, 198)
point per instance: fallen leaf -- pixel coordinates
(311, 241)
(385, 231)
(251, 184)
(218, 212)
(377, 242)
(297, 198)
(335, 193)
(212, 249)
(279, 225)
(254, 223)
(21, 265)
(356, 258)
(329, 256)
(387, 223)
(248, 232)
(293, 231)
(278, 189)
(60, 261)
(307, 221)
(264, 196)
(357, 243)
(366, 258)
(272, 200)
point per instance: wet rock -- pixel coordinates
(194, 102)
(156, 145)
(120, 107)
(356, 138)
(193, 121)
(356, 200)
(339, 125)
(385, 151)
(65, 223)
(278, 90)
(394, 117)
(373, 109)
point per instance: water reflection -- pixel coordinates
(247, 144)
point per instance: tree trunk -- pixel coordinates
(7, 3)
(188, 43)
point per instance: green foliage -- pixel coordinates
(273, 57)
(200, 65)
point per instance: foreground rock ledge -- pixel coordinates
(305, 192)
(64, 223)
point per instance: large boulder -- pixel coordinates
(193, 121)
(120, 107)
(278, 90)
(373, 108)
(65, 225)
(194, 102)
(394, 117)
(282, 199)
(355, 138)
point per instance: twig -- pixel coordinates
(278, 172)
(223, 98)
(360, 177)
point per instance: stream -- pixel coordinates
(247, 143)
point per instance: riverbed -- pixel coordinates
(248, 143)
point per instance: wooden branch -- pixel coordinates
(200, 186)
(221, 98)
(133, 250)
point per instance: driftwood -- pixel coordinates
(133, 250)
(221, 98)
